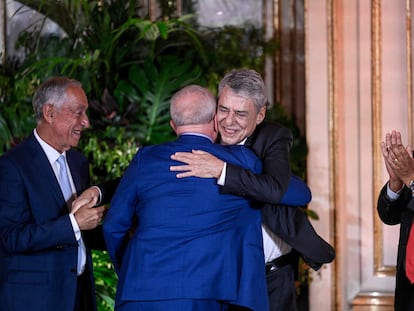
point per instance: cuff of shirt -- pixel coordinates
(100, 195)
(391, 194)
(75, 227)
(222, 179)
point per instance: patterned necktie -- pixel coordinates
(64, 179)
(409, 256)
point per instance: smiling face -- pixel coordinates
(237, 117)
(66, 123)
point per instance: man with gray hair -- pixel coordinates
(45, 236)
(193, 248)
(286, 231)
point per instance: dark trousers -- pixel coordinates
(404, 294)
(84, 301)
(281, 289)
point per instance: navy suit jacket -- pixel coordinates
(191, 242)
(271, 142)
(38, 249)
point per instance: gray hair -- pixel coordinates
(246, 83)
(52, 91)
(192, 104)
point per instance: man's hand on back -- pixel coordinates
(197, 163)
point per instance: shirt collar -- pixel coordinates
(51, 153)
(198, 134)
(242, 142)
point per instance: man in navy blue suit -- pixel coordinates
(193, 248)
(286, 230)
(45, 237)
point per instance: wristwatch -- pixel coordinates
(411, 186)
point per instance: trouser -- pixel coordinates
(84, 301)
(281, 290)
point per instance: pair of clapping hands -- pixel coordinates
(398, 161)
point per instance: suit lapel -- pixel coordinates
(77, 179)
(40, 163)
(79, 169)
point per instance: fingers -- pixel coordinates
(89, 218)
(199, 152)
(384, 149)
(394, 157)
(393, 146)
(198, 163)
(88, 197)
(83, 201)
(394, 137)
(175, 168)
(388, 139)
(398, 152)
(185, 174)
(410, 151)
(78, 203)
(194, 156)
(398, 138)
(184, 157)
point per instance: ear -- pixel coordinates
(173, 126)
(48, 113)
(261, 115)
(215, 123)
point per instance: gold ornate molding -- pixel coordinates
(409, 50)
(380, 269)
(333, 149)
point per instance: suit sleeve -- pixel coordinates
(20, 232)
(390, 211)
(297, 194)
(268, 187)
(120, 216)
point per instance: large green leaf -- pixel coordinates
(150, 87)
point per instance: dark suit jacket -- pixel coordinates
(38, 249)
(400, 211)
(191, 242)
(271, 142)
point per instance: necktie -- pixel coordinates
(64, 179)
(68, 195)
(409, 256)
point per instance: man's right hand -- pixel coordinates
(89, 217)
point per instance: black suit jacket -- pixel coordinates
(272, 142)
(400, 211)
